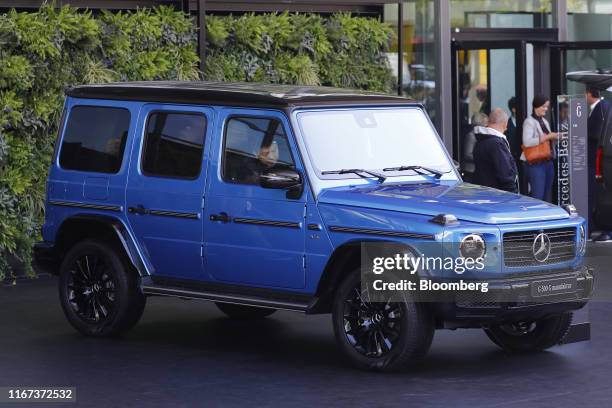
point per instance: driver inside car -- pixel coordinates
(267, 157)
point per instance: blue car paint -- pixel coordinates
(470, 202)
(172, 245)
(282, 258)
(247, 254)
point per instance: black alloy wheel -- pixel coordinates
(91, 289)
(99, 290)
(530, 336)
(371, 328)
(383, 336)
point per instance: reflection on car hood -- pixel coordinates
(467, 202)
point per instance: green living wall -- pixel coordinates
(41, 54)
(44, 52)
(341, 50)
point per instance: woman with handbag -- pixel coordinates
(539, 150)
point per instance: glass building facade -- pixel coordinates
(464, 57)
(500, 13)
(588, 20)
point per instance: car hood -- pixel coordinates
(466, 201)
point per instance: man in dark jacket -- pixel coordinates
(598, 111)
(495, 166)
(515, 140)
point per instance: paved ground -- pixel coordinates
(185, 353)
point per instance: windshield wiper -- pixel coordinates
(381, 178)
(417, 169)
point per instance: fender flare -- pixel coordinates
(122, 234)
(332, 274)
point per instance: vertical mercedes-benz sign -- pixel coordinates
(572, 114)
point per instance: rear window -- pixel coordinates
(174, 143)
(94, 139)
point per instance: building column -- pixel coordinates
(559, 15)
(400, 48)
(444, 92)
(202, 33)
(185, 6)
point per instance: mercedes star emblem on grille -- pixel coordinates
(541, 247)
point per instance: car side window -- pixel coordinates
(173, 145)
(95, 139)
(253, 145)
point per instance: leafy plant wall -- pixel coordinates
(341, 50)
(43, 52)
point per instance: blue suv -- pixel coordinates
(265, 197)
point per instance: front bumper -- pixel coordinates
(513, 299)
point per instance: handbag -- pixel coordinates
(541, 152)
(538, 153)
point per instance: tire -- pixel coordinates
(240, 312)
(525, 337)
(364, 330)
(99, 292)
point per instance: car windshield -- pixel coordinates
(387, 140)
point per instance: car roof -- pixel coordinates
(235, 94)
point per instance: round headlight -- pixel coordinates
(582, 240)
(472, 246)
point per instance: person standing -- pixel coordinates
(495, 166)
(513, 135)
(469, 141)
(598, 112)
(482, 94)
(536, 131)
(511, 132)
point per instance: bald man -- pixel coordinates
(495, 166)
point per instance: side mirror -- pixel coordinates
(283, 179)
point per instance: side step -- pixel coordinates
(225, 298)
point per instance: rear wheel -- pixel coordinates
(244, 312)
(99, 292)
(382, 336)
(528, 336)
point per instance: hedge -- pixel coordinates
(43, 52)
(341, 50)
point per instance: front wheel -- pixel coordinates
(381, 336)
(529, 336)
(98, 290)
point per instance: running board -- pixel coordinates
(224, 298)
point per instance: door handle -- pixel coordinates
(222, 217)
(139, 209)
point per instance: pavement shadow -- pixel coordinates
(282, 345)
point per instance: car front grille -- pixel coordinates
(518, 247)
